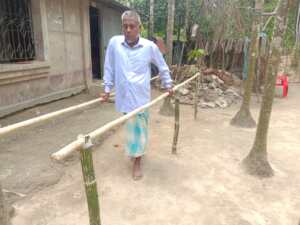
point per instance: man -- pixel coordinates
(127, 68)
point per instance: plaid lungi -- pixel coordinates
(137, 134)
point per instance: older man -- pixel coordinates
(127, 68)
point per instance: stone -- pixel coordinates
(214, 77)
(230, 100)
(207, 105)
(211, 96)
(219, 92)
(219, 80)
(230, 91)
(207, 79)
(222, 103)
(183, 91)
(212, 85)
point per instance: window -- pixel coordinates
(16, 31)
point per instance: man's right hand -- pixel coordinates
(105, 97)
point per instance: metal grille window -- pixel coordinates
(16, 31)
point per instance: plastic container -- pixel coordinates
(282, 86)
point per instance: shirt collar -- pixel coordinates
(139, 43)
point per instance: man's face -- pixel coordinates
(131, 29)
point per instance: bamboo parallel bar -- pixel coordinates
(76, 145)
(176, 130)
(26, 123)
(13, 127)
(88, 173)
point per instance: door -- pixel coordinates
(95, 42)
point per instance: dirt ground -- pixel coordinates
(203, 184)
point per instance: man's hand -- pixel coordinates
(170, 91)
(105, 97)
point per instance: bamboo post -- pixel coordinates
(176, 127)
(196, 97)
(86, 158)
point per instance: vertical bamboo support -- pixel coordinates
(88, 173)
(176, 130)
(196, 97)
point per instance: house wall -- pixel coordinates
(110, 25)
(63, 57)
(63, 65)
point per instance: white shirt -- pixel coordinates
(128, 70)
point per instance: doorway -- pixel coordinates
(95, 42)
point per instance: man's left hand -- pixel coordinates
(170, 91)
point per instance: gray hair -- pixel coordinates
(132, 14)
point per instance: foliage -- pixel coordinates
(217, 19)
(196, 54)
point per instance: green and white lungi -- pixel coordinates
(137, 134)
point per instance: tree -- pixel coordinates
(243, 118)
(151, 18)
(4, 217)
(298, 27)
(187, 15)
(256, 163)
(170, 30)
(296, 51)
(167, 108)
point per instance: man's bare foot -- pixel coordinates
(137, 171)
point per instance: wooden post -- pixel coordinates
(88, 173)
(196, 97)
(176, 130)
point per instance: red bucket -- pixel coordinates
(282, 86)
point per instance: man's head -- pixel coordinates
(131, 24)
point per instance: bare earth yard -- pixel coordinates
(203, 185)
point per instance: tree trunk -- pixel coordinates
(243, 118)
(298, 27)
(151, 18)
(4, 215)
(167, 108)
(187, 16)
(170, 30)
(296, 51)
(256, 163)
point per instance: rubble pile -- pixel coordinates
(217, 89)
(212, 93)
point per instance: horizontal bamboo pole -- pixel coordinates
(48, 116)
(76, 145)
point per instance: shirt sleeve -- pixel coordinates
(164, 72)
(109, 73)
